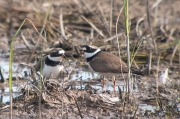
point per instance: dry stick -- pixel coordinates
(111, 17)
(40, 99)
(77, 51)
(118, 37)
(78, 107)
(174, 51)
(157, 70)
(154, 6)
(112, 37)
(104, 18)
(37, 43)
(149, 62)
(92, 34)
(61, 24)
(40, 85)
(62, 97)
(120, 93)
(91, 12)
(135, 112)
(126, 15)
(179, 55)
(92, 25)
(25, 41)
(11, 108)
(139, 33)
(170, 36)
(151, 31)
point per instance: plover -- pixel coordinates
(104, 63)
(52, 63)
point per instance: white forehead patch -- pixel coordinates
(61, 52)
(84, 48)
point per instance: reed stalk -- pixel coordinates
(126, 15)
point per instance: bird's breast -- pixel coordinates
(54, 70)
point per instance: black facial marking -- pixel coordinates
(55, 53)
(51, 63)
(89, 49)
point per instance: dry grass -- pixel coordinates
(75, 22)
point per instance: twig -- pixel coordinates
(92, 25)
(37, 43)
(149, 23)
(112, 37)
(11, 107)
(118, 37)
(179, 54)
(111, 17)
(78, 108)
(25, 41)
(150, 62)
(156, 3)
(173, 54)
(103, 19)
(62, 97)
(120, 93)
(139, 33)
(77, 51)
(126, 15)
(62, 25)
(40, 106)
(157, 70)
(135, 113)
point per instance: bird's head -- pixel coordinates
(90, 50)
(57, 54)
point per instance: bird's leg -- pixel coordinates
(103, 82)
(114, 83)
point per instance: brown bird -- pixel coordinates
(104, 63)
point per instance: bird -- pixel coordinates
(51, 64)
(104, 63)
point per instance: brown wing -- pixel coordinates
(107, 62)
(38, 64)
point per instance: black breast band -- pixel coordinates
(51, 63)
(90, 58)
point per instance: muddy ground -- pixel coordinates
(154, 37)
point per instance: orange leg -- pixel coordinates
(114, 83)
(103, 83)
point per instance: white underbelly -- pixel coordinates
(53, 70)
